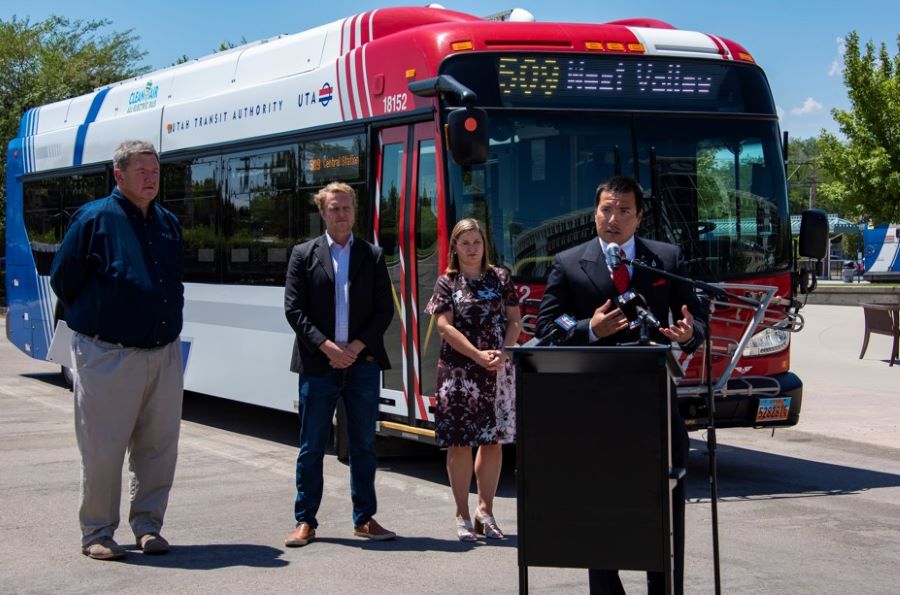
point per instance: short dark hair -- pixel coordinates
(622, 185)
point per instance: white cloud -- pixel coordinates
(837, 65)
(835, 68)
(780, 111)
(809, 106)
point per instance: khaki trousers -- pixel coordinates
(126, 399)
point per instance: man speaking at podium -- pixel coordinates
(584, 283)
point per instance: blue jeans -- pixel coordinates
(359, 387)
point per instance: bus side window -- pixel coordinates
(48, 208)
(260, 189)
(427, 261)
(191, 190)
(392, 163)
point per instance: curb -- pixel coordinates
(852, 294)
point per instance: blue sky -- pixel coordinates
(797, 42)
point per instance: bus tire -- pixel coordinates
(340, 440)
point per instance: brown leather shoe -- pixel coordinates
(300, 536)
(372, 530)
(153, 544)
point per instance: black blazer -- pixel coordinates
(309, 302)
(580, 282)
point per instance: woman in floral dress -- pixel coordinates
(477, 314)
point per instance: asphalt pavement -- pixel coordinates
(845, 397)
(795, 506)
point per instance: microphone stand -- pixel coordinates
(707, 288)
(709, 291)
(711, 452)
(644, 338)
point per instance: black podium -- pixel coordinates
(594, 472)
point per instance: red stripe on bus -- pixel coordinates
(338, 91)
(350, 89)
(361, 83)
(364, 28)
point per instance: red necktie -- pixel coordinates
(621, 278)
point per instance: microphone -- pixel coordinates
(613, 255)
(562, 330)
(635, 308)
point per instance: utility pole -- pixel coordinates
(812, 186)
(812, 195)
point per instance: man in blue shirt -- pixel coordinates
(118, 276)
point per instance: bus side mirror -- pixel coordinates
(814, 234)
(467, 135)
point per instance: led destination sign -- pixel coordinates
(524, 77)
(612, 82)
(334, 159)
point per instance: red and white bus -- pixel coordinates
(247, 136)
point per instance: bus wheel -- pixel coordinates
(68, 377)
(340, 440)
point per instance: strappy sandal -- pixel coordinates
(464, 530)
(487, 526)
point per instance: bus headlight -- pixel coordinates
(767, 342)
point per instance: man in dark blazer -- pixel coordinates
(582, 285)
(337, 298)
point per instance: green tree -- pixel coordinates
(866, 168)
(228, 45)
(224, 46)
(50, 60)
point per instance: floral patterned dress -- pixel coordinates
(474, 406)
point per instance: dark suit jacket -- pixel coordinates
(580, 281)
(310, 308)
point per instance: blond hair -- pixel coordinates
(334, 188)
(465, 226)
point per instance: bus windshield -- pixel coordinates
(717, 190)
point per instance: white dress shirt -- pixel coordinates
(340, 262)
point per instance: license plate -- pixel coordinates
(773, 409)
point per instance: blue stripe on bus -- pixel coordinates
(185, 351)
(43, 306)
(23, 133)
(34, 129)
(82, 130)
(31, 130)
(23, 124)
(48, 310)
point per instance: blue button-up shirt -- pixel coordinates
(340, 262)
(118, 273)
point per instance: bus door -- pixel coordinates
(406, 224)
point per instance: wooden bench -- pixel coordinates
(882, 319)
